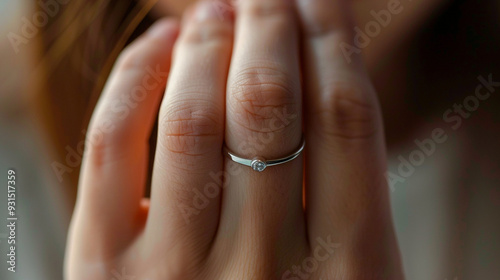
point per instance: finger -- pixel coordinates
(263, 118)
(345, 164)
(185, 200)
(116, 153)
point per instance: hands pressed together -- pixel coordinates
(255, 78)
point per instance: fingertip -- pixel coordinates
(207, 10)
(166, 28)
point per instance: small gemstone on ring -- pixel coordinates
(258, 165)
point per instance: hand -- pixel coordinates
(208, 217)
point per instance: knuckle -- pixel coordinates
(101, 142)
(267, 9)
(139, 54)
(321, 19)
(193, 130)
(259, 100)
(346, 113)
(209, 32)
(96, 143)
(131, 58)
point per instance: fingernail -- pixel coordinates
(207, 10)
(163, 28)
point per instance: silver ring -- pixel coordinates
(260, 163)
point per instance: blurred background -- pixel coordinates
(427, 59)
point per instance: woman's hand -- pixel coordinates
(208, 217)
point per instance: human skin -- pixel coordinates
(402, 25)
(382, 55)
(233, 79)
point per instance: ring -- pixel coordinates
(260, 163)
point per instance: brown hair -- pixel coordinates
(73, 64)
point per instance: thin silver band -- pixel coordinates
(260, 163)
